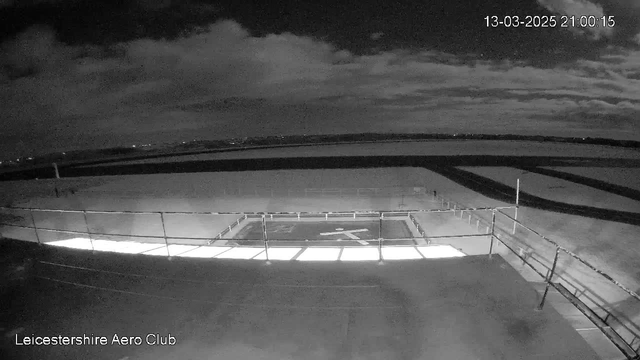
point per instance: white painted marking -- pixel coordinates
(348, 233)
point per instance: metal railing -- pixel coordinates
(491, 231)
(629, 346)
(230, 226)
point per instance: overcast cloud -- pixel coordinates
(174, 87)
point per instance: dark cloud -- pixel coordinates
(223, 81)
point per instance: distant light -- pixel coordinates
(133, 146)
(29, 158)
(64, 153)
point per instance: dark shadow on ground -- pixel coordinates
(596, 184)
(499, 191)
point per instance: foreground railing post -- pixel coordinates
(493, 226)
(35, 228)
(549, 278)
(380, 237)
(264, 237)
(86, 224)
(164, 234)
(517, 204)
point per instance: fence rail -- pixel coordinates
(491, 232)
(629, 345)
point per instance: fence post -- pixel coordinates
(86, 223)
(493, 225)
(549, 278)
(55, 167)
(517, 203)
(380, 236)
(164, 234)
(35, 228)
(264, 237)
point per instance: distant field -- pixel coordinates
(427, 148)
(552, 188)
(629, 177)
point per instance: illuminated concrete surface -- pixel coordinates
(468, 307)
(258, 253)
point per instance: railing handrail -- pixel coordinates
(351, 212)
(575, 256)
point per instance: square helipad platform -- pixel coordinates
(326, 232)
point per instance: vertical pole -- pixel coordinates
(264, 237)
(517, 203)
(55, 167)
(33, 220)
(549, 278)
(380, 237)
(86, 223)
(164, 234)
(493, 225)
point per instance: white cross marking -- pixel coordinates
(348, 233)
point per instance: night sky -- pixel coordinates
(95, 73)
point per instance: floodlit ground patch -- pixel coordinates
(124, 246)
(400, 253)
(279, 253)
(240, 253)
(205, 252)
(359, 254)
(319, 254)
(75, 243)
(439, 251)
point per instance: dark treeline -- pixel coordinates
(203, 146)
